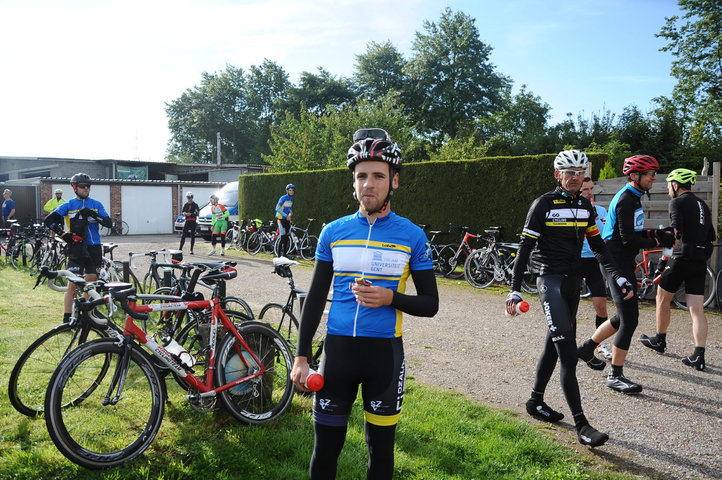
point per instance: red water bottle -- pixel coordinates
(521, 307)
(314, 380)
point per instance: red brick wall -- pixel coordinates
(116, 202)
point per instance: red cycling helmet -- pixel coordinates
(639, 163)
(374, 149)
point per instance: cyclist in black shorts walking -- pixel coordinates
(368, 256)
(691, 220)
(625, 235)
(557, 223)
(190, 211)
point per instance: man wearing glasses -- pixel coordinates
(83, 215)
(625, 235)
(557, 224)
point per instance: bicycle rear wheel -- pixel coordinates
(103, 431)
(262, 398)
(16, 254)
(238, 306)
(32, 371)
(255, 243)
(479, 268)
(528, 282)
(680, 298)
(447, 262)
(123, 228)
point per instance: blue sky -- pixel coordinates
(90, 79)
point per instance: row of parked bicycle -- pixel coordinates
(254, 236)
(110, 362)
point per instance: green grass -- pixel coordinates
(441, 435)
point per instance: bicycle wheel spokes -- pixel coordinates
(479, 268)
(31, 374)
(307, 247)
(264, 397)
(96, 433)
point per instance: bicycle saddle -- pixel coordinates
(283, 262)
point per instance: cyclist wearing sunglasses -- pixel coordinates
(557, 224)
(82, 215)
(625, 235)
(691, 219)
(368, 256)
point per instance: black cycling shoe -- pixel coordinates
(542, 411)
(589, 435)
(588, 357)
(653, 343)
(622, 384)
(696, 361)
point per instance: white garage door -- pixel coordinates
(148, 209)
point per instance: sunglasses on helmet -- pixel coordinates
(365, 133)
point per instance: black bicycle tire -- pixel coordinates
(57, 418)
(472, 278)
(15, 254)
(528, 283)
(307, 247)
(238, 305)
(718, 289)
(445, 255)
(255, 243)
(287, 326)
(679, 296)
(124, 227)
(269, 346)
(21, 401)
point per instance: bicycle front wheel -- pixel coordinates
(447, 263)
(680, 297)
(19, 251)
(263, 398)
(31, 374)
(109, 427)
(255, 243)
(308, 247)
(123, 228)
(238, 306)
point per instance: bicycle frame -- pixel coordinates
(205, 389)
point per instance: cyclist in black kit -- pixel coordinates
(625, 235)
(557, 223)
(691, 220)
(190, 211)
(368, 256)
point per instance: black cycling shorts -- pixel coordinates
(692, 272)
(87, 265)
(285, 226)
(377, 364)
(592, 276)
(559, 297)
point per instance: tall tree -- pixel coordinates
(452, 80)
(380, 70)
(319, 91)
(695, 40)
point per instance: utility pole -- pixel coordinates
(218, 147)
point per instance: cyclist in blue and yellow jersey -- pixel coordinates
(691, 220)
(625, 235)
(83, 215)
(284, 212)
(368, 257)
(591, 273)
(557, 223)
(219, 225)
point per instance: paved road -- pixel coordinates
(672, 430)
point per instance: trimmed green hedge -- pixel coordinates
(477, 193)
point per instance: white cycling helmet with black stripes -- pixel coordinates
(571, 159)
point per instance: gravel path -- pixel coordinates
(673, 429)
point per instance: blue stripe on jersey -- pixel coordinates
(383, 253)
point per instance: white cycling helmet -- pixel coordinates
(189, 195)
(571, 159)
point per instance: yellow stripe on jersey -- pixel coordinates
(366, 275)
(381, 420)
(565, 224)
(372, 243)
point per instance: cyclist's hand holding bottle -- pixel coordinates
(515, 304)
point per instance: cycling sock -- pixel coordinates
(617, 370)
(66, 317)
(599, 320)
(698, 351)
(662, 337)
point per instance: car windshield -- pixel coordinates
(228, 195)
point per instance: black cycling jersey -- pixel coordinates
(558, 222)
(691, 218)
(193, 209)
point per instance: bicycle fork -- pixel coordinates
(119, 375)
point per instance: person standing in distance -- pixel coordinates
(368, 256)
(557, 224)
(284, 212)
(8, 208)
(691, 220)
(591, 272)
(54, 202)
(219, 224)
(190, 211)
(625, 235)
(85, 251)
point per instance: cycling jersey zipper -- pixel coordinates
(364, 259)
